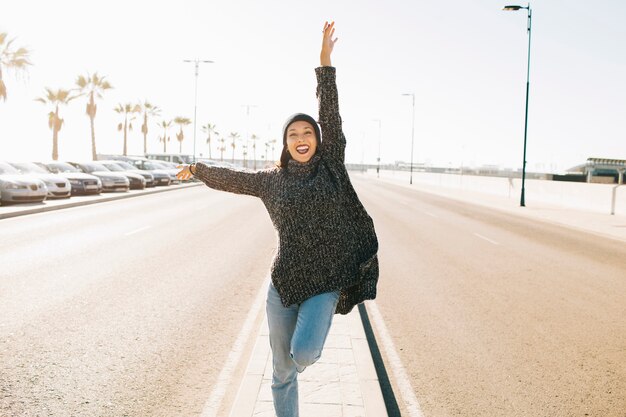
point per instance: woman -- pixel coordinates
(326, 261)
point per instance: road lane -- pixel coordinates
(97, 322)
(533, 326)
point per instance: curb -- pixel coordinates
(92, 200)
(247, 398)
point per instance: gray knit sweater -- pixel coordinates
(326, 239)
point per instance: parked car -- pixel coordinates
(171, 157)
(164, 165)
(137, 181)
(123, 167)
(172, 167)
(81, 183)
(58, 187)
(111, 181)
(161, 177)
(16, 188)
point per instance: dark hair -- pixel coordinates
(284, 158)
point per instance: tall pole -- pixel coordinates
(195, 99)
(530, 14)
(378, 159)
(412, 134)
(247, 106)
(522, 198)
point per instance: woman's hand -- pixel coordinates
(327, 44)
(185, 172)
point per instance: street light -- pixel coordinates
(515, 8)
(247, 106)
(378, 159)
(412, 134)
(197, 63)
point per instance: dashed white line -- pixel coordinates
(486, 238)
(399, 373)
(212, 405)
(428, 213)
(137, 231)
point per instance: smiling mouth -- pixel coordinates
(302, 149)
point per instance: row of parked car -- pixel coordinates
(37, 181)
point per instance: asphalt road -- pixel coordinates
(497, 315)
(130, 308)
(127, 308)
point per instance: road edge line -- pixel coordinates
(400, 375)
(214, 402)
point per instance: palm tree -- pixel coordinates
(254, 139)
(148, 110)
(267, 146)
(180, 136)
(245, 152)
(55, 98)
(208, 129)
(165, 138)
(92, 85)
(234, 136)
(11, 59)
(221, 148)
(128, 110)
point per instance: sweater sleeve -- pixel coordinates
(333, 140)
(233, 180)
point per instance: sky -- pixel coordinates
(465, 62)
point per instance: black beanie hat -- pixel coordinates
(298, 117)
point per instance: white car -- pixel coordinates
(15, 188)
(58, 187)
(111, 181)
(81, 183)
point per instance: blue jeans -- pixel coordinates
(297, 336)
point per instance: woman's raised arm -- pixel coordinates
(333, 140)
(328, 43)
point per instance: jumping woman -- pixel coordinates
(326, 260)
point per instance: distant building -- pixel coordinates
(600, 170)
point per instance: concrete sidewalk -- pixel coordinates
(343, 383)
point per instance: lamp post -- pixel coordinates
(530, 13)
(412, 134)
(197, 63)
(247, 106)
(379, 135)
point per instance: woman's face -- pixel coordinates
(301, 141)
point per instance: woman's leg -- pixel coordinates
(315, 316)
(282, 323)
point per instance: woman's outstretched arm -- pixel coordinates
(333, 140)
(226, 179)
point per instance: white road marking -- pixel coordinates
(428, 213)
(399, 373)
(486, 238)
(137, 231)
(212, 405)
